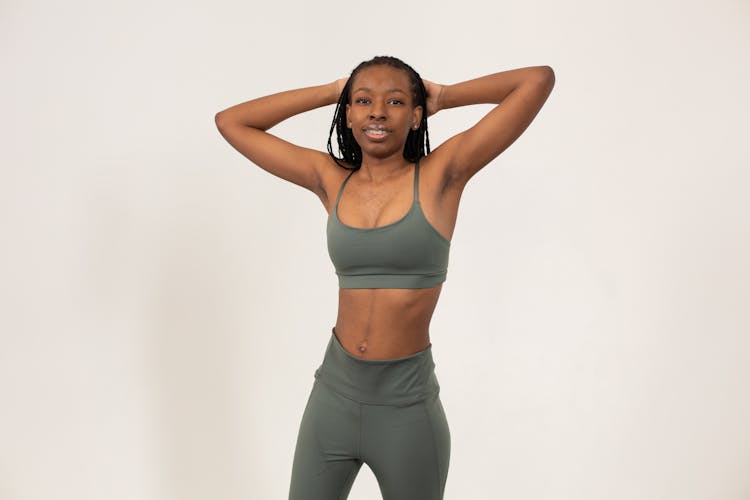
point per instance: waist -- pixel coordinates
(394, 322)
(397, 381)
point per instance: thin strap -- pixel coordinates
(416, 182)
(338, 196)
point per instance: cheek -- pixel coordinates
(354, 114)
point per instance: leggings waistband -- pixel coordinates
(397, 381)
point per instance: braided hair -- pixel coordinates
(417, 142)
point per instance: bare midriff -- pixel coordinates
(385, 323)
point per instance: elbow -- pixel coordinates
(222, 119)
(218, 119)
(545, 78)
(547, 75)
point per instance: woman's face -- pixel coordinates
(381, 110)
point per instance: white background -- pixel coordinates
(164, 302)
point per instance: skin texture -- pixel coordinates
(390, 323)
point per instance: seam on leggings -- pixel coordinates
(361, 424)
(434, 446)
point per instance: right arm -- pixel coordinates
(244, 127)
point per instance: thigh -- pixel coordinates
(408, 449)
(325, 458)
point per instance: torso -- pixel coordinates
(390, 322)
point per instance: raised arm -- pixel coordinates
(519, 93)
(244, 127)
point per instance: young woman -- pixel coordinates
(392, 206)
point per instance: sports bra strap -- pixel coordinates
(341, 189)
(416, 182)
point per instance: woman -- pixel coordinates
(392, 206)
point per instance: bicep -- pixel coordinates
(468, 152)
(296, 164)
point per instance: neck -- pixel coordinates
(379, 170)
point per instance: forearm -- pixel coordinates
(491, 89)
(265, 112)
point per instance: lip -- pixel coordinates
(376, 138)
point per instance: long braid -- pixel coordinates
(417, 141)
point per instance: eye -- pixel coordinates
(362, 100)
(396, 101)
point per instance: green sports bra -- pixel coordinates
(408, 253)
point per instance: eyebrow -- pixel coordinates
(389, 90)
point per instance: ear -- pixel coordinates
(417, 116)
(348, 107)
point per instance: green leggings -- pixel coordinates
(385, 413)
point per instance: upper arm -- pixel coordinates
(300, 165)
(466, 153)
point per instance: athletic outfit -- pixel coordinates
(385, 413)
(408, 253)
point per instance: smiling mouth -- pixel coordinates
(376, 133)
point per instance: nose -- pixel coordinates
(377, 111)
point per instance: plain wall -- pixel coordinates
(164, 302)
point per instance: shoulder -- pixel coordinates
(332, 175)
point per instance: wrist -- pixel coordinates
(440, 101)
(445, 98)
(333, 92)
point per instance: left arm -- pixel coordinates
(519, 95)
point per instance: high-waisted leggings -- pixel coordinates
(385, 413)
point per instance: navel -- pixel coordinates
(363, 346)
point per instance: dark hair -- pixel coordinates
(417, 142)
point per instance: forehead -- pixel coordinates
(382, 77)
